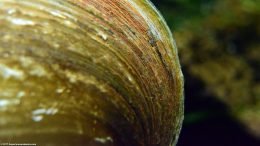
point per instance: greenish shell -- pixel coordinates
(88, 72)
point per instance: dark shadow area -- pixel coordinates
(208, 122)
(217, 131)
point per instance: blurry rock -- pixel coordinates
(223, 51)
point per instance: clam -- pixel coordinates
(88, 72)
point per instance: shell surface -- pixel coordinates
(88, 72)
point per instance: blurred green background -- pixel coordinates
(218, 42)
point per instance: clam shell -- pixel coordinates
(88, 72)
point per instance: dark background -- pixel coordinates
(218, 43)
